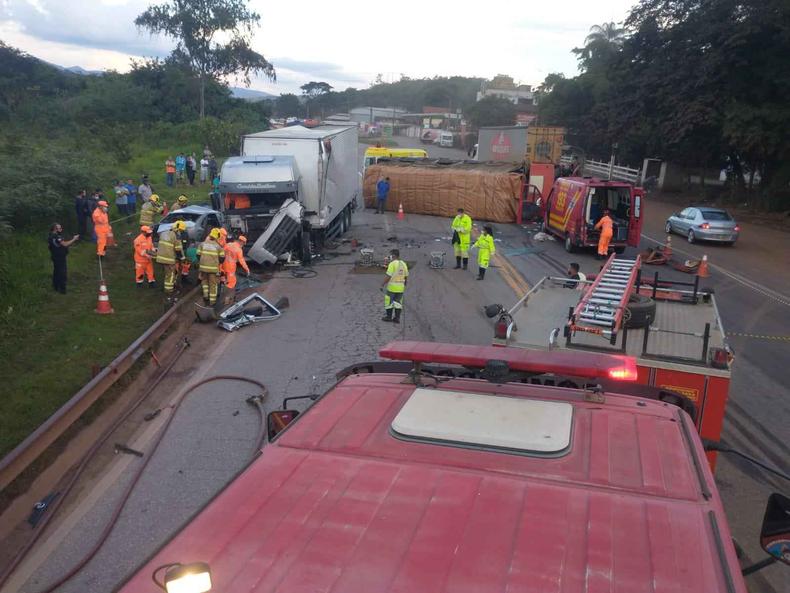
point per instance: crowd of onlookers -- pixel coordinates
(183, 169)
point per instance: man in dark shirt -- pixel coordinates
(59, 249)
(80, 207)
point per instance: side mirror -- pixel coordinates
(775, 533)
(277, 421)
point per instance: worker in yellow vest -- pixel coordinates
(169, 252)
(210, 256)
(462, 234)
(394, 286)
(149, 211)
(485, 246)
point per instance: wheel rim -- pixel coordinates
(691, 236)
(568, 244)
(668, 228)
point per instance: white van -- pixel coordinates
(444, 139)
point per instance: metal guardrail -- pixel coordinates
(607, 170)
(37, 442)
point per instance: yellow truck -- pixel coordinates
(544, 144)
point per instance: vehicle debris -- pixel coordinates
(249, 310)
(541, 236)
(121, 448)
(41, 507)
(437, 259)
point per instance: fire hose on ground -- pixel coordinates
(255, 400)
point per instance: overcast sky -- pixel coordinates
(345, 42)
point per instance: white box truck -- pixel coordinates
(291, 189)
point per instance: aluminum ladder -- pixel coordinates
(601, 309)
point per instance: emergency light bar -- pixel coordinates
(590, 365)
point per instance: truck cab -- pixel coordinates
(575, 204)
(467, 468)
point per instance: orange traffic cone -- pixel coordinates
(668, 247)
(401, 215)
(103, 307)
(702, 270)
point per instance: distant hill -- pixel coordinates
(250, 94)
(76, 69)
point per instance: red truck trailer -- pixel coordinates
(449, 470)
(575, 204)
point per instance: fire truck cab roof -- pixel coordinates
(410, 482)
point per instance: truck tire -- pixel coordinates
(569, 246)
(640, 311)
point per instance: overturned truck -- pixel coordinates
(486, 191)
(291, 189)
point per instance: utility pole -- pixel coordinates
(611, 161)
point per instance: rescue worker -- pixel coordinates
(149, 210)
(181, 202)
(169, 252)
(101, 226)
(576, 277)
(462, 234)
(223, 237)
(234, 256)
(485, 246)
(211, 256)
(185, 264)
(605, 224)
(144, 253)
(394, 286)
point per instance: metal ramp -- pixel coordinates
(600, 311)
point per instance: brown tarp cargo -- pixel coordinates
(486, 191)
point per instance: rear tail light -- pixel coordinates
(625, 372)
(737, 228)
(704, 225)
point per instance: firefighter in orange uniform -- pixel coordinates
(605, 224)
(234, 256)
(101, 224)
(144, 254)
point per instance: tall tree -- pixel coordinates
(288, 105)
(492, 111)
(196, 25)
(314, 92)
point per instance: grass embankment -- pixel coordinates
(51, 344)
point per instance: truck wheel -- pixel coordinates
(640, 311)
(569, 246)
(348, 218)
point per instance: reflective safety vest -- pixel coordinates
(210, 254)
(169, 247)
(462, 224)
(398, 271)
(147, 213)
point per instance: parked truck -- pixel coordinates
(291, 189)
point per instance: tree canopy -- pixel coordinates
(704, 84)
(197, 25)
(492, 111)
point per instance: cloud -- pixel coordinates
(97, 26)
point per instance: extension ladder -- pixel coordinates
(600, 310)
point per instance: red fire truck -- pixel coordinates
(673, 329)
(466, 469)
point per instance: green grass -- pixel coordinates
(51, 344)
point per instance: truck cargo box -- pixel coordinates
(486, 191)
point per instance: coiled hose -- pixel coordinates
(256, 400)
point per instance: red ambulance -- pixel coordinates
(575, 204)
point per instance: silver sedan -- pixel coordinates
(699, 223)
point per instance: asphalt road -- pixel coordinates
(334, 321)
